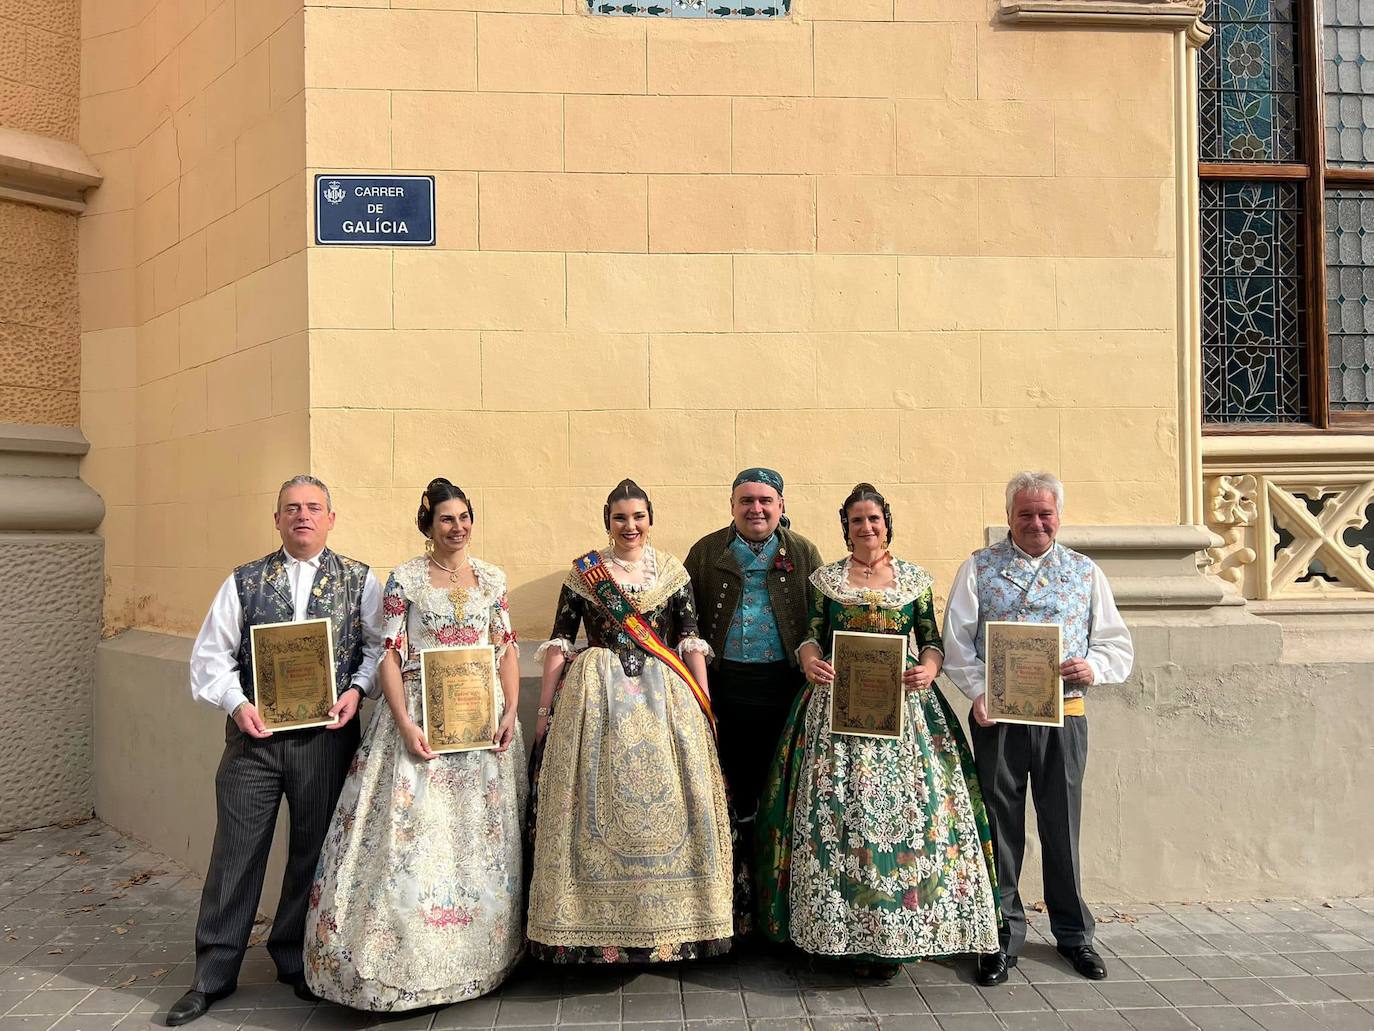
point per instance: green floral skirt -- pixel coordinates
(876, 848)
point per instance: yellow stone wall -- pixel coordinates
(40, 60)
(890, 240)
(193, 290)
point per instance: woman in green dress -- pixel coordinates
(876, 849)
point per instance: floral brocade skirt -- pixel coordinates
(876, 848)
(632, 860)
(417, 895)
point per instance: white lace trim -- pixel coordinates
(911, 582)
(561, 643)
(690, 645)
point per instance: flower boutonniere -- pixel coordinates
(782, 562)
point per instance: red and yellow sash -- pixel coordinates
(619, 607)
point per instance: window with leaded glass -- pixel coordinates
(1286, 140)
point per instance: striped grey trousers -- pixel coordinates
(307, 767)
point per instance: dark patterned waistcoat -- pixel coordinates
(264, 590)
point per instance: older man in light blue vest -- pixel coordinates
(1030, 577)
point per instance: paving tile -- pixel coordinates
(698, 1006)
(1216, 966)
(968, 1022)
(908, 1022)
(1322, 963)
(1246, 991)
(1010, 998)
(1094, 1020)
(653, 982)
(1356, 987)
(1340, 1016)
(1340, 941)
(1283, 1018)
(527, 1012)
(88, 1022)
(695, 1025)
(1033, 1020)
(779, 1024)
(1362, 958)
(773, 1004)
(473, 1013)
(1155, 968)
(1304, 989)
(1183, 945)
(56, 1001)
(1220, 1018)
(1040, 971)
(294, 1019)
(1125, 994)
(1135, 943)
(108, 1000)
(1080, 996)
(1189, 993)
(830, 1002)
(934, 972)
(1269, 965)
(944, 999)
(1237, 943)
(1157, 1020)
(893, 1000)
(852, 1022)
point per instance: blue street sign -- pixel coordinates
(375, 210)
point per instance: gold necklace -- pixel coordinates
(452, 573)
(456, 594)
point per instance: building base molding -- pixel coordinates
(1167, 15)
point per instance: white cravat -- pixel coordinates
(214, 658)
(1110, 651)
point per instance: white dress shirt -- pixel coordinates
(214, 659)
(1110, 652)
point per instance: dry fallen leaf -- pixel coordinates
(140, 878)
(1039, 907)
(127, 981)
(86, 889)
(158, 972)
(11, 937)
(1127, 918)
(54, 952)
(121, 930)
(72, 852)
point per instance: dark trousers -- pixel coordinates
(1053, 760)
(307, 767)
(751, 701)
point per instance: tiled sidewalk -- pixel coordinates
(97, 935)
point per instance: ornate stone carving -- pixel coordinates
(1231, 511)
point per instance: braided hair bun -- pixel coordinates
(865, 492)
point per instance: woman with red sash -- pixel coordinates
(632, 858)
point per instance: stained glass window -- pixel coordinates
(1247, 79)
(691, 8)
(1253, 332)
(1350, 298)
(1348, 63)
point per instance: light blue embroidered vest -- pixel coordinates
(1010, 589)
(264, 590)
(753, 635)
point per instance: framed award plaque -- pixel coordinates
(293, 673)
(458, 697)
(867, 697)
(1023, 673)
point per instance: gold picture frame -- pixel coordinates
(458, 697)
(1024, 685)
(293, 673)
(868, 698)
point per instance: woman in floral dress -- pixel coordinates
(417, 897)
(632, 854)
(870, 848)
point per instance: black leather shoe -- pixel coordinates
(299, 988)
(1085, 961)
(993, 967)
(193, 1005)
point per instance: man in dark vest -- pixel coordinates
(301, 580)
(750, 582)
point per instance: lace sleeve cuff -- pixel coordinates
(689, 645)
(930, 648)
(809, 640)
(561, 643)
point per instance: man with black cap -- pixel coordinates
(750, 581)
